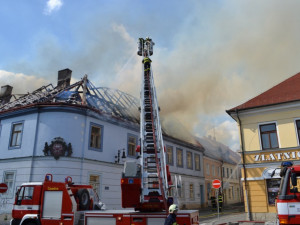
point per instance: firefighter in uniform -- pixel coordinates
(147, 62)
(171, 219)
(213, 203)
(220, 199)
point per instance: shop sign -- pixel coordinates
(278, 156)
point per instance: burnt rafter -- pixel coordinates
(110, 101)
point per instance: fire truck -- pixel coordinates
(288, 199)
(145, 181)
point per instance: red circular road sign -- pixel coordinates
(3, 188)
(216, 183)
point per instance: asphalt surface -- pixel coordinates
(231, 215)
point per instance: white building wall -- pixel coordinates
(74, 128)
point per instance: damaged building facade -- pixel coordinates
(84, 132)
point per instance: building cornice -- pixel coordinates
(293, 105)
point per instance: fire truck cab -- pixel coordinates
(288, 200)
(51, 202)
(63, 203)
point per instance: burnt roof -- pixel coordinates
(112, 102)
(109, 101)
(219, 151)
(286, 91)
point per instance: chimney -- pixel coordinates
(64, 78)
(5, 94)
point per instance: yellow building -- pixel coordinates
(220, 162)
(269, 126)
(212, 171)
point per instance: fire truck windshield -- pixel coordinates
(294, 182)
(26, 192)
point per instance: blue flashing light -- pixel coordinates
(130, 181)
(286, 164)
(47, 178)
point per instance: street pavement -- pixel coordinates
(231, 215)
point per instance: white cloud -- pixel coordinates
(20, 82)
(53, 5)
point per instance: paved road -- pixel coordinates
(231, 215)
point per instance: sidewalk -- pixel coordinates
(231, 215)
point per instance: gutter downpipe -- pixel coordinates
(84, 87)
(35, 143)
(244, 167)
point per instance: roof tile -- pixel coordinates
(286, 91)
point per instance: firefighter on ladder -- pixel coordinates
(147, 62)
(171, 219)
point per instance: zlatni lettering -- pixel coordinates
(277, 156)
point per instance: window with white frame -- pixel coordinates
(179, 156)
(16, 135)
(192, 195)
(298, 129)
(181, 191)
(132, 143)
(213, 170)
(96, 135)
(170, 155)
(268, 135)
(9, 180)
(219, 171)
(94, 180)
(207, 169)
(197, 162)
(171, 192)
(189, 160)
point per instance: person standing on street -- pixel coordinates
(220, 199)
(171, 219)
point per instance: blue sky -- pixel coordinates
(209, 56)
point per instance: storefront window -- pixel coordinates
(272, 189)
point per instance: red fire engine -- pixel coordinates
(288, 199)
(145, 182)
(64, 203)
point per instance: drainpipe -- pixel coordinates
(244, 167)
(222, 182)
(35, 143)
(83, 147)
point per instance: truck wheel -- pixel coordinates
(84, 199)
(30, 223)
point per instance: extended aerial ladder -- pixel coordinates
(147, 181)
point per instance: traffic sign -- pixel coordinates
(3, 188)
(216, 184)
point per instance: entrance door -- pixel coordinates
(201, 195)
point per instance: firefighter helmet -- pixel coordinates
(173, 208)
